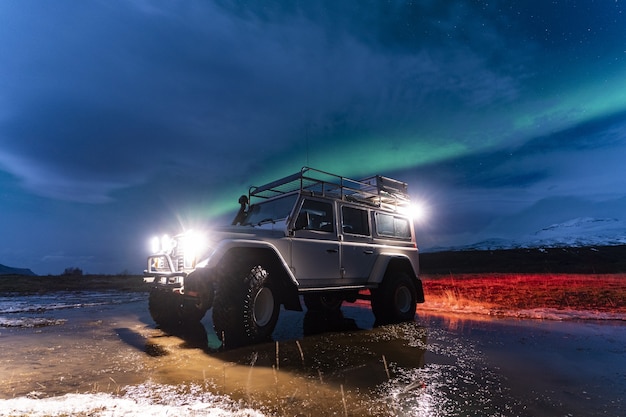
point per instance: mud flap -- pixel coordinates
(419, 291)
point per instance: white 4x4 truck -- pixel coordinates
(313, 234)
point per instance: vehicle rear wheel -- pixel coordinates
(245, 310)
(396, 298)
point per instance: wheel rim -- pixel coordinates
(403, 299)
(263, 306)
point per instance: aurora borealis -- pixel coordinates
(122, 119)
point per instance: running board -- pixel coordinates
(342, 288)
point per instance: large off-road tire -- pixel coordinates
(168, 308)
(199, 294)
(396, 298)
(192, 310)
(246, 307)
(162, 305)
(323, 302)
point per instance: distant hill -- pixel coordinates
(7, 270)
(573, 260)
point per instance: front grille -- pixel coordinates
(178, 255)
(158, 264)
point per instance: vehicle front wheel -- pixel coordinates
(167, 308)
(396, 298)
(246, 309)
(161, 304)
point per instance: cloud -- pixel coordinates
(205, 90)
(554, 210)
(172, 109)
(46, 182)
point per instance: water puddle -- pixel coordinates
(106, 357)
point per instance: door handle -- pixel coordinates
(332, 250)
(368, 252)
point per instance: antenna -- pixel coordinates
(307, 144)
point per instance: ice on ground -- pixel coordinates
(137, 401)
(62, 300)
(29, 322)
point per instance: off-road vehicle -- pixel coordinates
(311, 236)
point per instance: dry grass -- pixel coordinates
(581, 292)
(51, 283)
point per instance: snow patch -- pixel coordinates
(148, 399)
(30, 322)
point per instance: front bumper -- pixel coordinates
(173, 279)
(164, 270)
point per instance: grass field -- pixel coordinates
(484, 293)
(570, 260)
(596, 293)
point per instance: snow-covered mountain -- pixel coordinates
(579, 232)
(586, 231)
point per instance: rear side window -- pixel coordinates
(354, 221)
(389, 225)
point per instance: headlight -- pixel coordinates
(155, 245)
(417, 211)
(193, 244)
(164, 244)
(167, 244)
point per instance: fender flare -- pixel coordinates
(382, 264)
(227, 245)
(289, 297)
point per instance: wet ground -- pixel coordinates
(104, 347)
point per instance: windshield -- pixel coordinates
(270, 211)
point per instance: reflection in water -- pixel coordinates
(316, 322)
(317, 366)
(194, 336)
(336, 367)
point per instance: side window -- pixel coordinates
(316, 215)
(401, 227)
(354, 221)
(384, 224)
(392, 226)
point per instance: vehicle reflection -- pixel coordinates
(333, 349)
(317, 322)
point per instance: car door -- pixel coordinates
(357, 250)
(315, 244)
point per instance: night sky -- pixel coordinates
(123, 119)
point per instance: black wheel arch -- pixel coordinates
(270, 260)
(403, 264)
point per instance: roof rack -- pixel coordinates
(376, 190)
